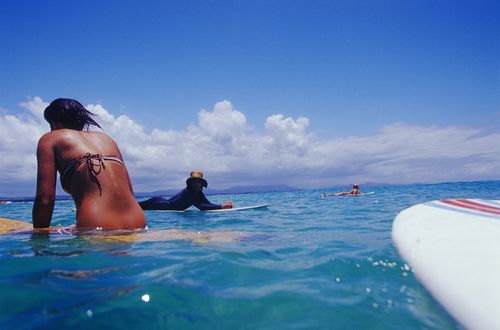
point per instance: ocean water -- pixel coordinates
(311, 263)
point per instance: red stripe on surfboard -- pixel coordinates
(477, 204)
(462, 204)
(467, 204)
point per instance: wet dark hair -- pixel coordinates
(71, 113)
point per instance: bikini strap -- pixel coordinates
(94, 164)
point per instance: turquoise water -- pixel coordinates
(314, 263)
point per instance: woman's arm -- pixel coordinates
(204, 204)
(45, 184)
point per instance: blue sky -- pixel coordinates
(353, 69)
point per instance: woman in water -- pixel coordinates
(354, 191)
(91, 170)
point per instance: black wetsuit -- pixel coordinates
(192, 195)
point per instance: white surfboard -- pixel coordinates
(341, 195)
(243, 208)
(453, 247)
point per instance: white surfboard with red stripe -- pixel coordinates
(453, 247)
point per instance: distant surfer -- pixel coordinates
(91, 170)
(191, 195)
(354, 191)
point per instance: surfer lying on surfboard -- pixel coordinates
(354, 191)
(191, 195)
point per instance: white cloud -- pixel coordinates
(224, 124)
(222, 144)
(18, 140)
(35, 106)
(289, 136)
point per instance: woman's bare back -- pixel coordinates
(93, 172)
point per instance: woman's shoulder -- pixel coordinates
(59, 135)
(48, 137)
(67, 133)
(102, 137)
(72, 137)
